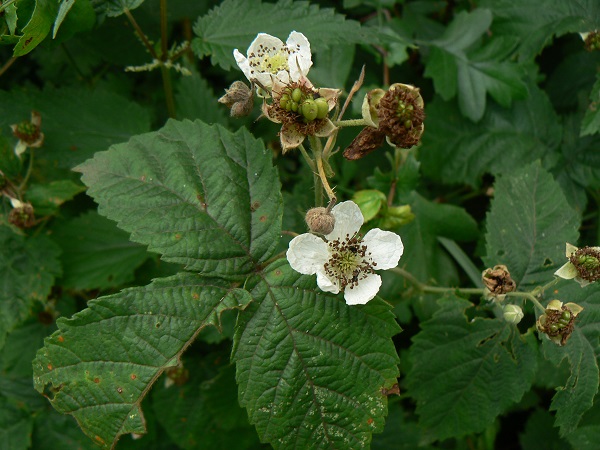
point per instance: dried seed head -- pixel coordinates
(22, 216)
(558, 321)
(320, 220)
(498, 280)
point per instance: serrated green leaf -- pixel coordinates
(465, 30)
(370, 201)
(143, 331)
(335, 65)
(28, 267)
(466, 372)
(46, 198)
(591, 120)
(455, 150)
(576, 397)
(37, 28)
(536, 22)
(528, 225)
(311, 368)
(15, 426)
(208, 185)
(540, 433)
(322, 26)
(587, 435)
(10, 15)
(114, 8)
(73, 17)
(76, 122)
(96, 254)
(203, 413)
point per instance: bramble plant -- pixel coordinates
(379, 233)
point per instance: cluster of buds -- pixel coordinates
(396, 115)
(239, 98)
(557, 322)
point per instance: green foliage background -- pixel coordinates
(150, 305)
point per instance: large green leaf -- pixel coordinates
(457, 67)
(587, 435)
(193, 95)
(536, 22)
(455, 150)
(528, 225)
(28, 267)
(581, 350)
(141, 332)
(15, 426)
(188, 186)
(466, 372)
(76, 122)
(322, 26)
(47, 198)
(310, 368)
(96, 254)
(114, 8)
(38, 26)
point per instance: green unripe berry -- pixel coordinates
(297, 95)
(322, 108)
(407, 124)
(294, 106)
(284, 101)
(309, 110)
(566, 315)
(553, 328)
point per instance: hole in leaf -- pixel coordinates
(548, 262)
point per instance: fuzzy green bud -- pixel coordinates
(512, 314)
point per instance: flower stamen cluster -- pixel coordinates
(401, 115)
(349, 261)
(558, 321)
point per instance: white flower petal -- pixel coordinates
(20, 148)
(307, 253)
(364, 291)
(300, 59)
(385, 248)
(568, 271)
(242, 63)
(348, 220)
(325, 283)
(582, 282)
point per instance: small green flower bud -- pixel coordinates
(322, 108)
(319, 220)
(297, 95)
(309, 110)
(512, 314)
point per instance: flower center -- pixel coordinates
(270, 59)
(349, 261)
(27, 132)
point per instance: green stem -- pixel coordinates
(528, 296)
(350, 123)
(168, 88)
(307, 158)
(27, 174)
(163, 31)
(141, 34)
(317, 148)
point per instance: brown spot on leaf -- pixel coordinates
(254, 206)
(96, 380)
(263, 218)
(177, 236)
(394, 390)
(369, 421)
(143, 178)
(61, 339)
(50, 367)
(120, 390)
(133, 376)
(195, 296)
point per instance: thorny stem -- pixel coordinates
(471, 291)
(168, 87)
(355, 87)
(307, 158)
(350, 123)
(317, 148)
(163, 31)
(141, 34)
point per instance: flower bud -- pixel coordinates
(512, 313)
(320, 220)
(239, 98)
